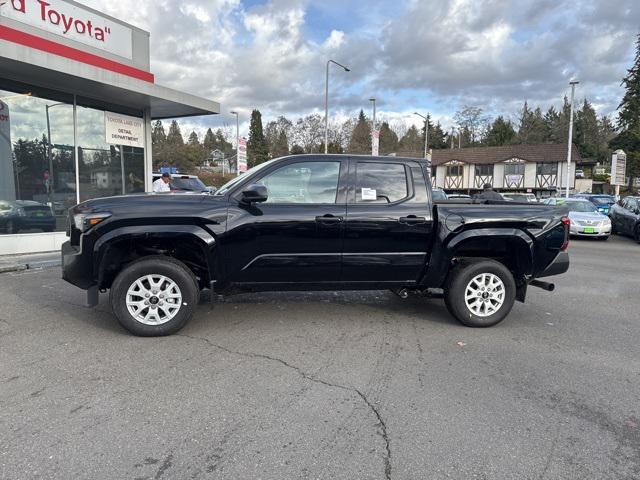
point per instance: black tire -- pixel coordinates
(168, 267)
(455, 290)
(614, 230)
(636, 234)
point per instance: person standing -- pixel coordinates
(161, 185)
(489, 193)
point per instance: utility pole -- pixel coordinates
(326, 104)
(451, 138)
(426, 140)
(374, 150)
(573, 84)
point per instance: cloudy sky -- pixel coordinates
(425, 55)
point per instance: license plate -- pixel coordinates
(589, 230)
(40, 214)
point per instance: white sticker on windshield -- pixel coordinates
(369, 194)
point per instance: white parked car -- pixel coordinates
(586, 220)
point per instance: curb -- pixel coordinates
(19, 267)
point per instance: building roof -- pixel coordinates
(539, 153)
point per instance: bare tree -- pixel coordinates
(309, 133)
(473, 120)
(398, 127)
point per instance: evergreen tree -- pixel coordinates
(437, 137)
(586, 131)
(257, 148)
(193, 139)
(158, 136)
(360, 141)
(629, 119)
(500, 133)
(297, 150)
(532, 128)
(209, 142)
(174, 137)
(412, 141)
(388, 139)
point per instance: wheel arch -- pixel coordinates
(190, 244)
(511, 247)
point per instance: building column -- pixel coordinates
(148, 152)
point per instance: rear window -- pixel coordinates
(381, 182)
(439, 195)
(603, 200)
(578, 206)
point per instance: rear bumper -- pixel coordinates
(559, 265)
(76, 268)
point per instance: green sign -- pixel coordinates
(63, 147)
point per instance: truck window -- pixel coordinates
(304, 182)
(380, 182)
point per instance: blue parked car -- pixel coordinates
(602, 202)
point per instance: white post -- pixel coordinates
(573, 89)
(373, 127)
(326, 111)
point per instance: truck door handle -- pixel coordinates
(412, 220)
(328, 218)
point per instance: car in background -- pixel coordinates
(184, 183)
(625, 217)
(586, 220)
(438, 194)
(579, 173)
(458, 196)
(602, 202)
(25, 215)
(520, 197)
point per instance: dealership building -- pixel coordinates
(77, 98)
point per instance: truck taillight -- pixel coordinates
(566, 223)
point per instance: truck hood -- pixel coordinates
(152, 205)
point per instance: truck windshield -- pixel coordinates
(187, 184)
(231, 183)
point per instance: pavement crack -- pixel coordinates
(382, 430)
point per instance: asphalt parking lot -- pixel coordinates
(328, 386)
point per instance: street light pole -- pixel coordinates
(373, 128)
(426, 140)
(237, 138)
(573, 90)
(326, 104)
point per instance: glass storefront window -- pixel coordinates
(105, 169)
(37, 166)
(38, 181)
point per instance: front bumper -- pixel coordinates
(582, 231)
(77, 267)
(559, 265)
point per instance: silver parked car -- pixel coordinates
(586, 220)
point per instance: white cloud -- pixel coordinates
(430, 56)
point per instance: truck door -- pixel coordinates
(296, 235)
(389, 222)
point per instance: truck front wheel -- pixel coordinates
(154, 296)
(480, 294)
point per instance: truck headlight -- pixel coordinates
(84, 221)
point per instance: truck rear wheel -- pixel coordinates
(154, 296)
(480, 294)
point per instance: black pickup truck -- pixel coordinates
(311, 222)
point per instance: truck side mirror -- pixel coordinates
(254, 193)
